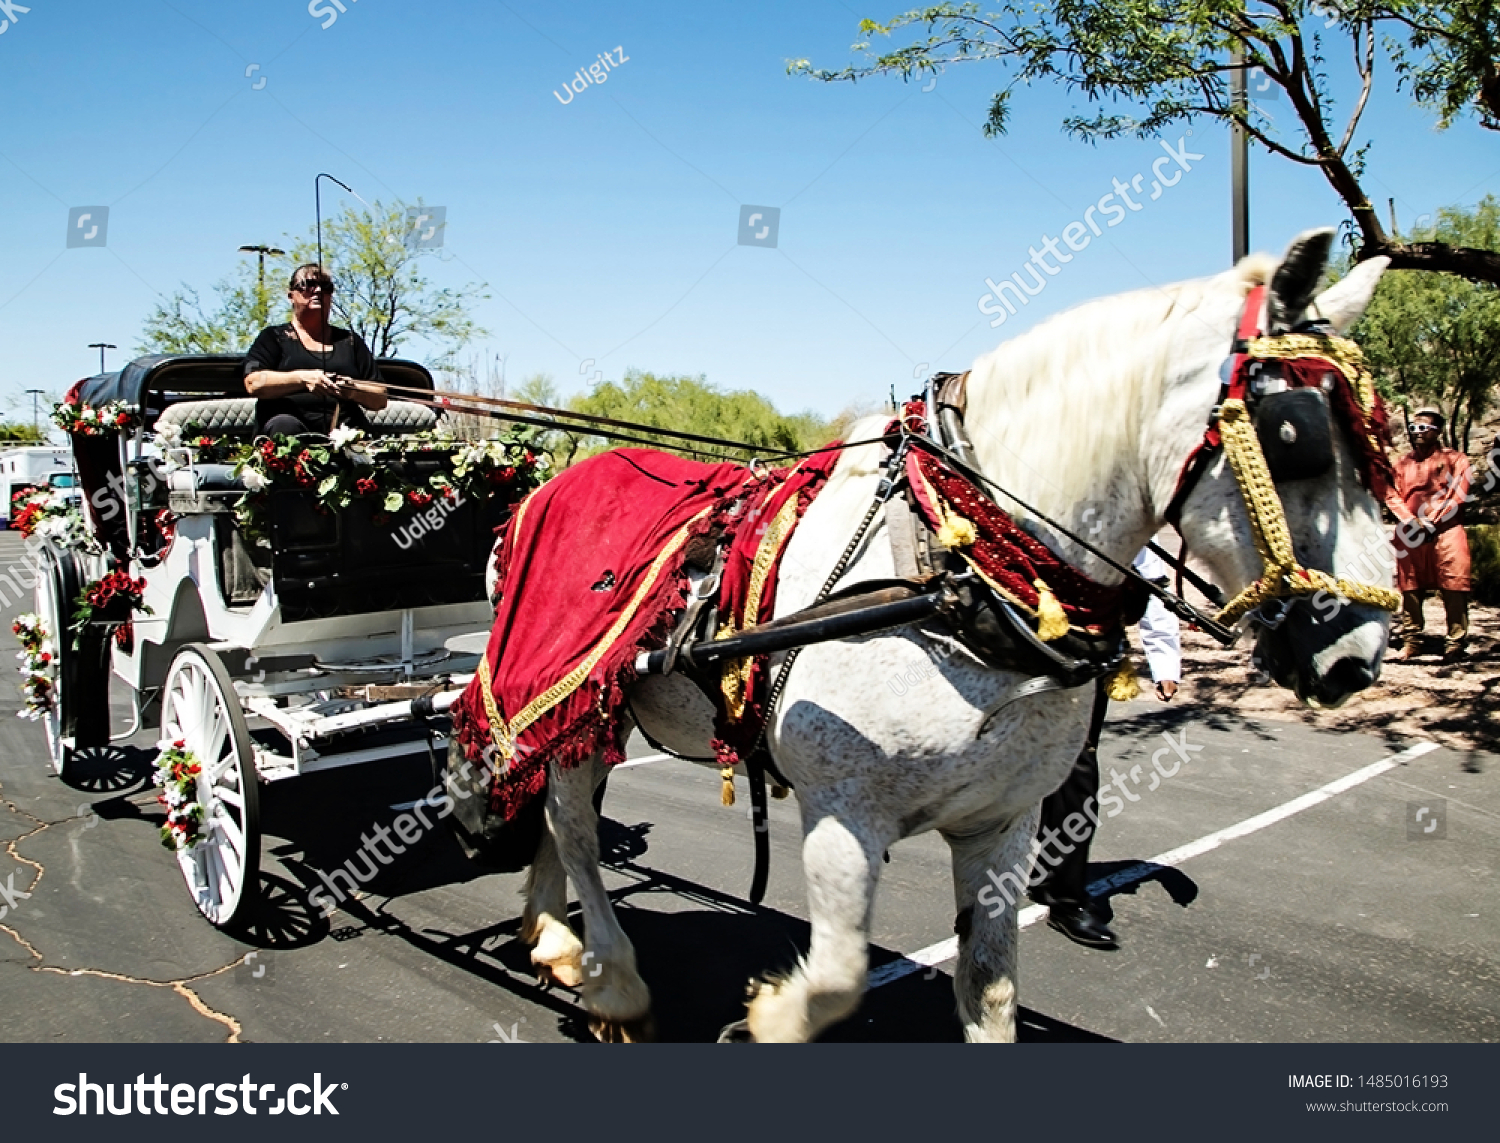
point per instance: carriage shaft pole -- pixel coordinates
(854, 617)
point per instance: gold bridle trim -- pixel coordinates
(1282, 576)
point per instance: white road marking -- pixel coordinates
(946, 950)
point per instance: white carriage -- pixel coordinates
(332, 646)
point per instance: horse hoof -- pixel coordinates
(638, 1031)
(565, 974)
(737, 1033)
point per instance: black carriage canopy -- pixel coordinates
(149, 385)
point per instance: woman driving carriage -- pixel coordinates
(303, 374)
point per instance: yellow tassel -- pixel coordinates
(726, 795)
(956, 532)
(1052, 620)
(779, 792)
(1123, 685)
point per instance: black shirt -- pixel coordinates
(279, 349)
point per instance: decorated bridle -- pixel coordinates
(1273, 420)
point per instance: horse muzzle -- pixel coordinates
(1323, 651)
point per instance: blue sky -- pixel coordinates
(605, 230)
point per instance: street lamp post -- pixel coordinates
(262, 307)
(1239, 158)
(36, 421)
(101, 346)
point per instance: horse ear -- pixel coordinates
(1296, 279)
(1343, 302)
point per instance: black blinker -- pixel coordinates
(1296, 433)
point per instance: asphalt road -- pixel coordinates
(1335, 921)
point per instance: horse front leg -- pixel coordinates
(613, 992)
(556, 952)
(988, 933)
(842, 864)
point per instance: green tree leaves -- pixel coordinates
(383, 295)
(1435, 338)
(1149, 64)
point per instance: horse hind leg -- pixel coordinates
(556, 952)
(984, 982)
(827, 985)
(614, 994)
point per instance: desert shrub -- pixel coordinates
(1484, 550)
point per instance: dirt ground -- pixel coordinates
(1453, 704)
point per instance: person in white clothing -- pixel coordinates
(1161, 635)
(1063, 887)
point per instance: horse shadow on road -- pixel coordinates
(698, 946)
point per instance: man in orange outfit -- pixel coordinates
(1432, 484)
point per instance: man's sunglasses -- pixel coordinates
(312, 286)
(1420, 429)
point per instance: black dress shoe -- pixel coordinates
(1082, 924)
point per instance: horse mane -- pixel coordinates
(1057, 411)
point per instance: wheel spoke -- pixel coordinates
(223, 824)
(231, 796)
(216, 876)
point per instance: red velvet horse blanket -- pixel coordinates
(591, 574)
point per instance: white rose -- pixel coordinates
(343, 436)
(253, 480)
(169, 434)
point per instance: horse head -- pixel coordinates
(1092, 417)
(1325, 644)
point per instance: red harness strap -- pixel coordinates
(1234, 386)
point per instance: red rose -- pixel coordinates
(365, 485)
(507, 473)
(122, 418)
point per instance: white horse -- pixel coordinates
(1089, 418)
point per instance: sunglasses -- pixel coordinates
(311, 286)
(1418, 429)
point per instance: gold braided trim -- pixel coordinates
(1282, 575)
(1338, 352)
(505, 734)
(1272, 539)
(735, 676)
(503, 743)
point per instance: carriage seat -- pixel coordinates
(235, 417)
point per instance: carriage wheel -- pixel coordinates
(200, 707)
(79, 718)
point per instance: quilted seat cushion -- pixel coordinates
(235, 417)
(204, 478)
